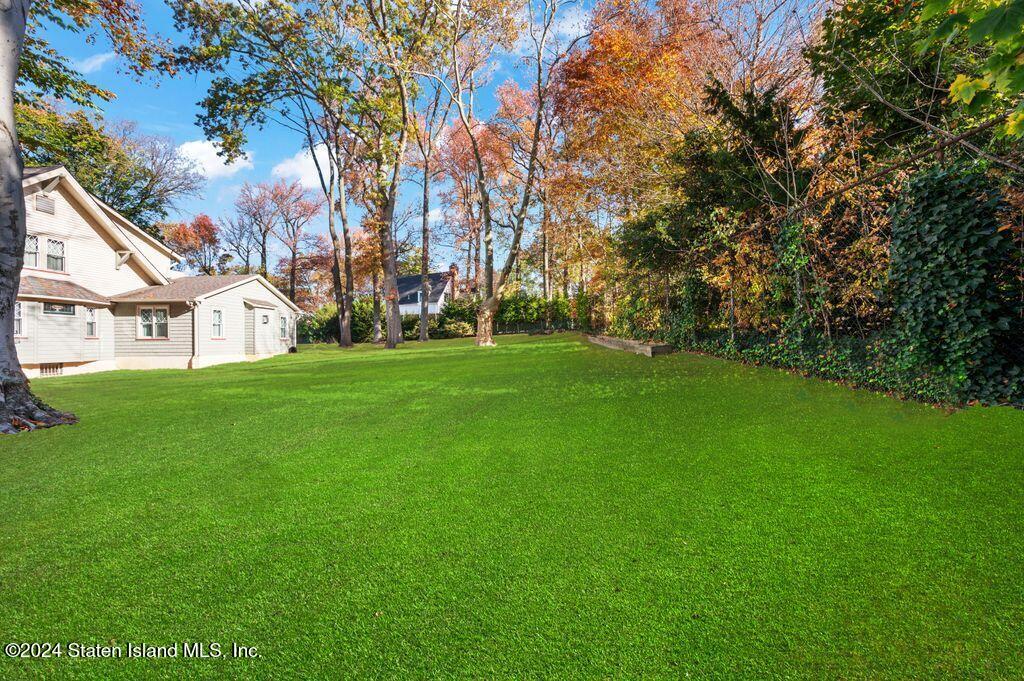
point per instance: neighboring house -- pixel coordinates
(98, 293)
(442, 289)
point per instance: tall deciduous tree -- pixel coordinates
(199, 242)
(428, 128)
(474, 31)
(143, 176)
(296, 209)
(255, 206)
(287, 63)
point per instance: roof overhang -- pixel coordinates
(121, 220)
(256, 277)
(58, 299)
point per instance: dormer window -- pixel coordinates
(55, 255)
(45, 203)
(31, 251)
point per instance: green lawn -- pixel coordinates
(545, 508)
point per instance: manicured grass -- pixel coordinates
(545, 508)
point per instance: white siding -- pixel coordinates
(250, 326)
(266, 338)
(52, 338)
(179, 331)
(91, 255)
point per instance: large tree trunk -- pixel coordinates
(19, 408)
(485, 321)
(476, 262)
(393, 319)
(344, 340)
(346, 315)
(263, 252)
(488, 260)
(292, 275)
(425, 258)
(378, 337)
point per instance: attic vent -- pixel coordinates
(46, 204)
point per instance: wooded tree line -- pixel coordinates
(833, 189)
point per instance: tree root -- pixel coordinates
(21, 411)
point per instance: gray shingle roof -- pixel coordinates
(32, 171)
(408, 286)
(58, 289)
(183, 289)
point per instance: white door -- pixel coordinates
(266, 331)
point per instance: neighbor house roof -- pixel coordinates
(190, 289)
(408, 286)
(57, 290)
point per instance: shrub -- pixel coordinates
(458, 310)
(956, 316)
(459, 329)
(321, 326)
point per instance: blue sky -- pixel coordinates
(167, 107)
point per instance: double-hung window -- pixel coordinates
(153, 323)
(18, 328)
(31, 251)
(284, 328)
(55, 255)
(218, 324)
(91, 329)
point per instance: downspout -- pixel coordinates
(195, 334)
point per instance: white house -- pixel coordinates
(98, 293)
(442, 289)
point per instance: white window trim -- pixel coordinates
(95, 322)
(285, 326)
(138, 322)
(213, 325)
(47, 254)
(35, 265)
(19, 319)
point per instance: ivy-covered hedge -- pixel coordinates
(958, 311)
(956, 334)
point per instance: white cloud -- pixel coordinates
(204, 153)
(94, 63)
(302, 168)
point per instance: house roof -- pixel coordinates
(58, 290)
(183, 289)
(190, 289)
(32, 171)
(255, 302)
(408, 286)
(136, 230)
